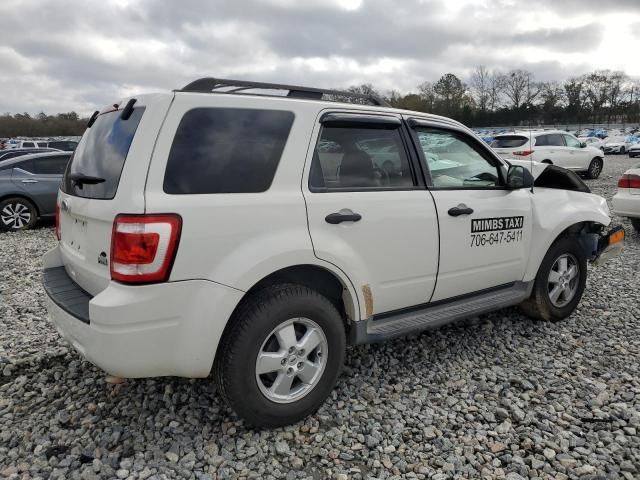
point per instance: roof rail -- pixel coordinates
(215, 85)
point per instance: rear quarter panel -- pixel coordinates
(237, 239)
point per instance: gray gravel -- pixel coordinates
(496, 397)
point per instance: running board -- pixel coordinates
(395, 324)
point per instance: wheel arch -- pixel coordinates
(24, 197)
(586, 233)
(327, 282)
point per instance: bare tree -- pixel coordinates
(496, 83)
(520, 87)
(480, 84)
(428, 95)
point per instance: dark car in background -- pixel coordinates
(29, 188)
(18, 152)
(64, 145)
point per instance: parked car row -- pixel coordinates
(552, 147)
(12, 144)
(29, 187)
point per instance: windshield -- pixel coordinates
(101, 153)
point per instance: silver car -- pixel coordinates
(29, 187)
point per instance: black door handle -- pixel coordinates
(461, 209)
(335, 218)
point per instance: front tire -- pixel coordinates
(595, 168)
(623, 150)
(281, 356)
(17, 214)
(560, 282)
(635, 222)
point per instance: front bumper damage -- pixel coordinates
(609, 245)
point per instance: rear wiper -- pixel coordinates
(80, 179)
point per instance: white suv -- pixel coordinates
(552, 147)
(225, 228)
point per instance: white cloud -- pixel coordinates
(82, 54)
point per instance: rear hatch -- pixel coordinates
(106, 176)
(505, 145)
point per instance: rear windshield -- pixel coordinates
(101, 153)
(508, 141)
(226, 150)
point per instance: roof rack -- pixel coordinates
(216, 85)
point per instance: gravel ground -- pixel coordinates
(499, 396)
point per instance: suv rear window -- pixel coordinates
(508, 141)
(101, 153)
(226, 150)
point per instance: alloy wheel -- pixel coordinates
(291, 360)
(563, 280)
(15, 215)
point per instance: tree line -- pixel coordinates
(487, 98)
(495, 98)
(41, 125)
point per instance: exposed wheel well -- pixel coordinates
(547, 161)
(586, 234)
(24, 197)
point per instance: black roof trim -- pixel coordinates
(213, 85)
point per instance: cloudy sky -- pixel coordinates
(79, 55)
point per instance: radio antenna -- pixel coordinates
(530, 133)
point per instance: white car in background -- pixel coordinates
(553, 147)
(616, 144)
(593, 142)
(626, 202)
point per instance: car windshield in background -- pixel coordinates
(509, 141)
(102, 153)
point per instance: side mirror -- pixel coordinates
(583, 144)
(518, 177)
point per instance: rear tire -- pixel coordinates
(17, 213)
(560, 282)
(623, 150)
(635, 222)
(595, 168)
(263, 371)
(547, 161)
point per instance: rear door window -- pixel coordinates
(102, 153)
(50, 165)
(555, 140)
(509, 141)
(28, 144)
(226, 150)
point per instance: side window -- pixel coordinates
(28, 145)
(542, 141)
(50, 165)
(26, 165)
(360, 157)
(454, 162)
(555, 140)
(226, 150)
(571, 142)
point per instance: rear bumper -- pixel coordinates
(150, 330)
(626, 205)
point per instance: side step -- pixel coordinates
(386, 326)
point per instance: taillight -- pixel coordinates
(523, 153)
(629, 180)
(58, 221)
(143, 247)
